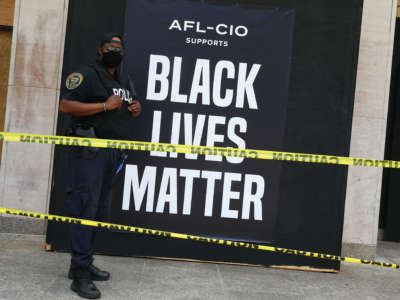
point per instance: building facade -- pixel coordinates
(32, 107)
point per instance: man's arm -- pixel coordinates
(81, 109)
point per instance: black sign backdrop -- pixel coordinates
(211, 75)
(305, 211)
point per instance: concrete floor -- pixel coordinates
(28, 272)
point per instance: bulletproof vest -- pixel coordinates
(115, 124)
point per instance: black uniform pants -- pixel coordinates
(88, 197)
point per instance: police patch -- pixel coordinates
(74, 81)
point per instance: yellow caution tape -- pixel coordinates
(166, 234)
(200, 150)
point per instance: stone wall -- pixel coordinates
(32, 105)
(369, 127)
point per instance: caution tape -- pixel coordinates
(182, 236)
(199, 150)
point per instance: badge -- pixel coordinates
(74, 81)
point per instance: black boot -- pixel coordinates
(83, 285)
(95, 274)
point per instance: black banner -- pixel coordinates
(211, 75)
(310, 198)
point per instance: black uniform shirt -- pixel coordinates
(93, 84)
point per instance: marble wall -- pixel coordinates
(369, 127)
(32, 104)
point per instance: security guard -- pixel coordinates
(101, 101)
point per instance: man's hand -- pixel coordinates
(113, 102)
(135, 108)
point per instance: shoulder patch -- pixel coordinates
(73, 81)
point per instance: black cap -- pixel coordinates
(107, 38)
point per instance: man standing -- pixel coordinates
(101, 102)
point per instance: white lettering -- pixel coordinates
(187, 25)
(221, 32)
(168, 183)
(154, 77)
(155, 135)
(241, 31)
(241, 143)
(187, 199)
(245, 86)
(195, 139)
(176, 82)
(201, 82)
(219, 100)
(139, 189)
(255, 198)
(228, 195)
(211, 178)
(213, 137)
(175, 25)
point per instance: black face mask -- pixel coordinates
(112, 59)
